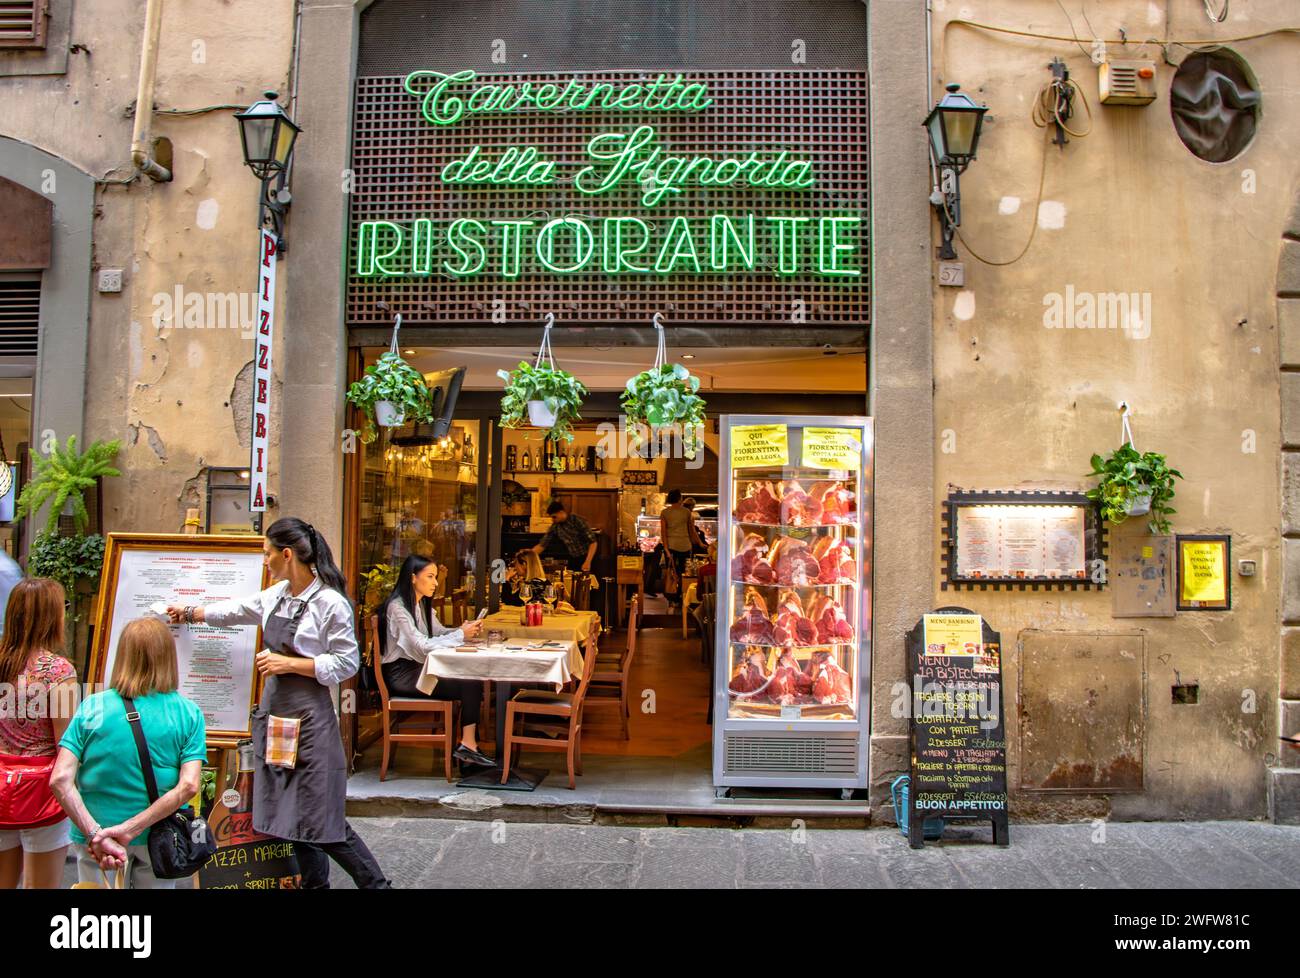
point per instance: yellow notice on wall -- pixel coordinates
(953, 634)
(753, 445)
(832, 448)
(1204, 576)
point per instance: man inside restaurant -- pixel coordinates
(573, 534)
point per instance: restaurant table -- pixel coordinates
(578, 627)
(506, 664)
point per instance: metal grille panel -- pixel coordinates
(20, 312)
(556, 35)
(786, 755)
(820, 115)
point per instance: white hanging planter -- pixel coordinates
(539, 415)
(1139, 504)
(387, 415)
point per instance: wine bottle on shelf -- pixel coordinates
(528, 460)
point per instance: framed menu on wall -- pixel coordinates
(144, 571)
(1015, 538)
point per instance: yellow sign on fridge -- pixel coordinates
(754, 445)
(832, 448)
(1203, 577)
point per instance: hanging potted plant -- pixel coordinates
(1134, 484)
(664, 396)
(391, 392)
(548, 396)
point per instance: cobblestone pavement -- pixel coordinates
(428, 853)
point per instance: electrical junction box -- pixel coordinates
(1127, 82)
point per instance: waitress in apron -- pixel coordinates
(309, 644)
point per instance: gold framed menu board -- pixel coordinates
(145, 570)
(1036, 539)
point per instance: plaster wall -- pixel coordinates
(167, 384)
(1020, 405)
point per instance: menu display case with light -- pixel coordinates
(1022, 538)
(794, 602)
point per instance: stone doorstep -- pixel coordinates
(473, 805)
(1284, 795)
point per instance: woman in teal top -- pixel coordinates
(97, 777)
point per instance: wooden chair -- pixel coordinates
(392, 708)
(543, 711)
(609, 683)
(581, 596)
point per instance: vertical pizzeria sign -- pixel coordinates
(267, 249)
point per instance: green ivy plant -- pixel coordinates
(63, 477)
(1126, 475)
(560, 390)
(66, 560)
(664, 396)
(391, 379)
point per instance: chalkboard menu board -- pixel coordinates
(958, 736)
(245, 858)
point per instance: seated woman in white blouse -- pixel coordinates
(408, 632)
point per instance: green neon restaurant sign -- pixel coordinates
(784, 244)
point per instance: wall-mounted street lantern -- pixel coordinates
(953, 126)
(268, 135)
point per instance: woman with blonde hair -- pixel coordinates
(43, 688)
(526, 569)
(98, 776)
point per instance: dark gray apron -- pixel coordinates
(304, 804)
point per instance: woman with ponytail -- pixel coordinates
(309, 644)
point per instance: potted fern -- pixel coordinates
(1134, 484)
(62, 479)
(661, 397)
(391, 393)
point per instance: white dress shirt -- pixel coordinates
(409, 639)
(325, 632)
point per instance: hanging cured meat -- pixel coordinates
(758, 505)
(749, 565)
(835, 561)
(830, 683)
(793, 626)
(838, 503)
(753, 628)
(793, 562)
(832, 625)
(789, 684)
(798, 508)
(750, 677)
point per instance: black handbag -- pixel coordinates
(180, 844)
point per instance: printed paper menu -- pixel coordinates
(1024, 542)
(215, 664)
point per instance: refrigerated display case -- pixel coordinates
(794, 602)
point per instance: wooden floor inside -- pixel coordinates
(668, 698)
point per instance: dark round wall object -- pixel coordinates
(1215, 101)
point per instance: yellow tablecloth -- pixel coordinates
(508, 662)
(576, 628)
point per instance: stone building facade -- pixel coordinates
(973, 386)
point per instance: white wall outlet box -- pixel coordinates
(1246, 568)
(110, 280)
